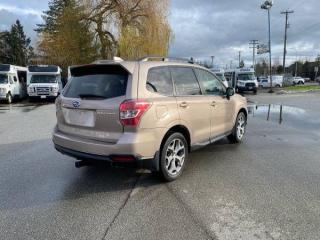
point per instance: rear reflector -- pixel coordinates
(122, 159)
(131, 111)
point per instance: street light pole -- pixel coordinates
(270, 57)
(267, 6)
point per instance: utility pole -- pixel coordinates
(285, 38)
(254, 46)
(239, 59)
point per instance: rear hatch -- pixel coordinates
(89, 105)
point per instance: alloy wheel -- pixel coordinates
(175, 156)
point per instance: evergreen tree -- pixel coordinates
(242, 64)
(51, 16)
(16, 48)
(65, 37)
(4, 47)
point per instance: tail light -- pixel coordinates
(131, 111)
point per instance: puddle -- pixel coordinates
(285, 115)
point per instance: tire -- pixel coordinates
(239, 129)
(255, 92)
(171, 167)
(278, 86)
(9, 98)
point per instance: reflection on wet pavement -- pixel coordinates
(24, 106)
(288, 115)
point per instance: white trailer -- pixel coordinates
(12, 82)
(44, 81)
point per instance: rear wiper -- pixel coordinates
(93, 96)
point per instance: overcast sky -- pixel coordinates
(214, 27)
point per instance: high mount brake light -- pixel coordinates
(131, 112)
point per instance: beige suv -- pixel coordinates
(148, 113)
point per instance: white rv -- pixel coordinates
(44, 81)
(220, 74)
(12, 82)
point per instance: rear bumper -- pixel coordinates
(143, 146)
(92, 159)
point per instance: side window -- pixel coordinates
(210, 83)
(159, 81)
(185, 81)
(15, 79)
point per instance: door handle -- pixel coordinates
(184, 104)
(213, 103)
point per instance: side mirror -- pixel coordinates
(229, 92)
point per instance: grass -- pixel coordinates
(302, 88)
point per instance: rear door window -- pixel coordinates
(97, 82)
(159, 81)
(185, 81)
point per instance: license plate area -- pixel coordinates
(77, 117)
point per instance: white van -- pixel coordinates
(44, 81)
(277, 81)
(219, 72)
(242, 79)
(12, 82)
(246, 80)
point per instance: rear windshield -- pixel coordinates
(97, 82)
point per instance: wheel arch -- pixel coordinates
(244, 110)
(180, 129)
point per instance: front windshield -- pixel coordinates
(246, 76)
(44, 79)
(3, 78)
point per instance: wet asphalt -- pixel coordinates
(265, 188)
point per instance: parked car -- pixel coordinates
(277, 81)
(147, 113)
(297, 80)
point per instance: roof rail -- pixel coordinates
(166, 59)
(115, 59)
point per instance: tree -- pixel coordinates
(130, 29)
(4, 47)
(242, 64)
(151, 36)
(65, 36)
(15, 46)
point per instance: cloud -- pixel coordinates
(222, 28)
(18, 11)
(28, 21)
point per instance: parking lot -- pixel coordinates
(266, 188)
